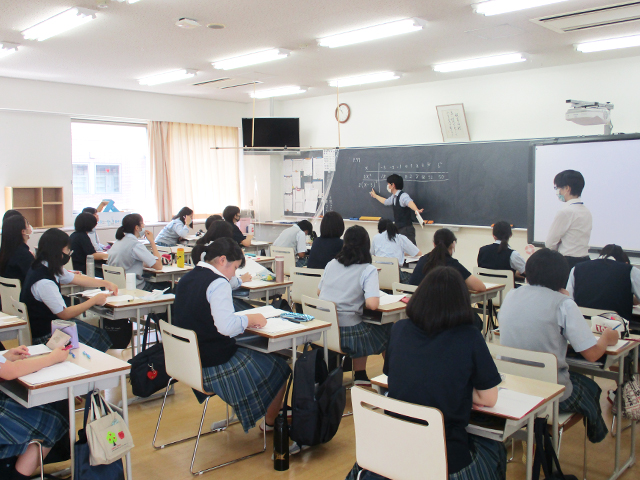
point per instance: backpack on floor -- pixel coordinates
(317, 401)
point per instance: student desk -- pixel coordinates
(266, 262)
(389, 313)
(492, 291)
(551, 392)
(257, 246)
(12, 327)
(169, 273)
(592, 312)
(260, 341)
(259, 288)
(105, 372)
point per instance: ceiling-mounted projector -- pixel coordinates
(590, 113)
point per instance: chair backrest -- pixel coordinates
(115, 275)
(182, 356)
(501, 277)
(9, 288)
(20, 309)
(305, 282)
(289, 257)
(326, 311)
(389, 271)
(403, 288)
(406, 450)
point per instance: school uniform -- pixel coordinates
(41, 294)
(93, 236)
(605, 284)
(349, 287)
(417, 276)
(19, 264)
(293, 237)
(238, 236)
(171, 233)
(539, 319)
(507, 259)
(381, 246)
(81, 246)
(570, 232)
(402, 214)
(133, 256)
(21, 425)
(323, 250)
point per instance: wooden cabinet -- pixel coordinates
(43, 207)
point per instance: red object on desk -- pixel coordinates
(405, 299)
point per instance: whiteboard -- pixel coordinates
(611, 170)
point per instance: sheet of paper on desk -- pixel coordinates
(257, 283)
(53, 373)
(9, 320)
(387, 299)
(512, 404)
(618, 346)
(252, 267)
(34, 350)
(268, 311)
(93, 293)
(412, 259)
(491, 285)
(174, 268)
(278, 325)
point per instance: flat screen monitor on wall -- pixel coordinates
(271, 132)
(611, 169)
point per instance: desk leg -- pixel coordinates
(138, 325)
(616, 467)
(633, 422)
(169, 314)
(484, 315)
(125, 414)
(267, 295)
(72, 427)
(556, 414)
(530, 447)
(326, 349)
(294, 351)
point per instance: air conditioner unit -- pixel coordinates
(607, 15)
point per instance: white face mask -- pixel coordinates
(142, 233)
(388, 188)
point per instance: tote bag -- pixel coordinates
(107, 434)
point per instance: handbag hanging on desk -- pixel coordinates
(630, 394)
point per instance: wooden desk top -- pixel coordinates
(136, 302)
(169, 269)
(392, 307)
(309, 327)
(259, 243)
(10, 321)
(262, 259)
(491, 287)
(99, 364)
(264, 285)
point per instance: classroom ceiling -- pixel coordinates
(130, 41)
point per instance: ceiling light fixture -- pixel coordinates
(364, 79)
(497, 7)
(173, 76)
(8, 48)
(251, 59)
(60, 23)
(278, 92)
(373, 33)
(609, 44)
(480, 62)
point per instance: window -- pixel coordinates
(107, 178)
(80, 179)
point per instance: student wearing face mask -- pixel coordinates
(127, 252)
(15, 257)
(176, 229)
(570, 231)
(93, 234)
(402, 206)
(231, 214)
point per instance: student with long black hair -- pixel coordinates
(210, 219)
(231, 215)
(351, 282)
(41, 292)
(253, 383)
(15, 256)
(392, 244)
(176, 229)
(81, 244)
(9, 214)
(436, 358)
(93, 234)
(328, 244)
(499, 255)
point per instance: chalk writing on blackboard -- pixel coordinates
(423, 172)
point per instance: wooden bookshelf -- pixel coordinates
(43, 207)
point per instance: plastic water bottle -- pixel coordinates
(279, 268)
(91, 266)
(180, 257)
(281, 444)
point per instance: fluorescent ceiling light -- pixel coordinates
(496, 7)
(62, 22)
(278, 92)
(373, 33)
(363, 79)
(8, 49)
(610, 44)
(251, 59)
(480, 62)
(173, 76)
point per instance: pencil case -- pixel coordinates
(297, 317)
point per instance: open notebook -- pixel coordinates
(274, 323)
(55, 372)
(512, 404)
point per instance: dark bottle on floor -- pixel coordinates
(281, 444)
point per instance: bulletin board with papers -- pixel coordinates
(304, 183)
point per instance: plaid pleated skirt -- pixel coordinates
(248, 382)
(20, 425)
(365, 339)
(585, 400)
(95, 337)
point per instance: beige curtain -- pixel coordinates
(158, 133)
(198, 176)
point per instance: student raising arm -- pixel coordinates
(176, 229)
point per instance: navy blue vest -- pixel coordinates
(489, 257)
(401, 215)
(191, 310)
(39, 314)
(604, 284)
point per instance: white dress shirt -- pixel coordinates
(570, 231)
(404, 199)
(47, 292)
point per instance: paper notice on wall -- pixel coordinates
(288, 168)
(307, 166)
(288, 203)
(298, 207)
(318, 169)
(329, 158)
(310, 205)
(288, 184)
(296, 180)
(317, 184)
(311, 194)
(307, 186)
(298, 165)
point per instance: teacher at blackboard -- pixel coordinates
(402, 206)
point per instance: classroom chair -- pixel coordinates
(305, 282)
(403, 289)
(115, 275)
(289, 257)
(39, 444)
(407, 450)
(182, 361)
(9, 288)
(389, 271)
(20, 309)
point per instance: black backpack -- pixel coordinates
(318, 399)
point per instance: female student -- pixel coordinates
(176, 229)
(438, 359)
(81, 244)
(444, 245)
(499, 255)
(608, 283)
(540, 316)
(15, 257)
(41, 292)
(231, 215)
(389, 243)
(9, 214)
(328, 244)
(127, 252)
(21, 425)
(93, 234)
(351, 282)
(253, 383)
(210, 219)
